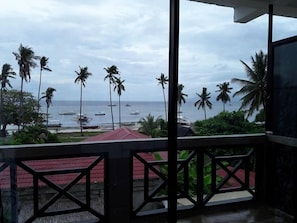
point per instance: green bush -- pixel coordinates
(35, 134)
(226, 123)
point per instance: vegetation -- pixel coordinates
(6, 73)
(226, 123)
(48, 95)
(119, 87)
(35, 134)
(152, 127)
(203, 101)
(254, 88)
(181, 97)
(163, 80)
(82, 76)
(43, 66)
(11, 106)
(224, 91)
(26, 61)
(111, 76)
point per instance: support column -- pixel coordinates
(172, 110)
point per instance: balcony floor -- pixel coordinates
(257, 214)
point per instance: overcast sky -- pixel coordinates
(133, 35)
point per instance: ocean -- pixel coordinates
(131, 111)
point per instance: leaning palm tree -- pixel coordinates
(224, 91)
(82, 76)
(111, 76)
(254, 89)
(43, 66)
(203, 101)
(181, 96)
(163, 80)
(6, 73)
(26, 61)
(48, 95)
(119, 87)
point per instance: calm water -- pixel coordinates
(91, 108)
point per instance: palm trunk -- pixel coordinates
(39, 89)
(2, 134)
(224, 106)
(46, 117)
(120, 121)
(165, 105)
(204, 113)
(20, 121)
(80, 110)
(110, 103)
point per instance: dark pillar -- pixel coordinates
(268, 115)
(172, 109)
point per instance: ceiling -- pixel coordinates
(247, 10)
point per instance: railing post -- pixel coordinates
(118, 186)
(13, 192)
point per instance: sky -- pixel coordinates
(134, 36)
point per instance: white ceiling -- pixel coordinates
(247, 10)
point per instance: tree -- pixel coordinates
(43, 66)
(254, 88)
(150, 126)
(11, 106)
(119, 87)
(224, 91)
(111, 76)
(26, 60)
(48, 95)
(6, 73)
(163, 80)
(203, 101)
(82, 76)
(181, 96)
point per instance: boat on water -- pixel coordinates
(111, 105)
(67, 113)
(135, 113)
(100, 113)
(90, 126)
(182, 120)
(128, 105)
(82, 118)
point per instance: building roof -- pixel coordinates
(247, 10)
(25, 180)
(120, 133)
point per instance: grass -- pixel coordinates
(75, 136)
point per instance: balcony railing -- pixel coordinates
(122, 181)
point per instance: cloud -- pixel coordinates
(134, 36)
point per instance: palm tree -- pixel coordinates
(111, 76)
(43, 66)
(150, 126)
(224, 91)
(203, 101)
(6, 73)
(163, 80)
(82, 76)
(26, 60)
(253, 89)
(48, 95)
(181, 96)
(119, 87)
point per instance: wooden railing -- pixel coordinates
(119, 181)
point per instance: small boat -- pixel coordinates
(82, 118)
(135, 113)
(100, 114)
(111, 105)
(128, 105)
(90, 126)
(67, 113)
(181, 120)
